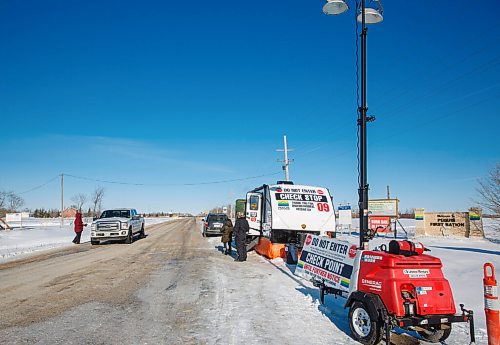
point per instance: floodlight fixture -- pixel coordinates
(372, 16)
(335, 7)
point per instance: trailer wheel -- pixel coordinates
(433, 335)
(364, 330)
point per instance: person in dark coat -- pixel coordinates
(241, 228)
(78, 227)
(227, 236)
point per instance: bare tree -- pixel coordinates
(79, 199)
(96, 199)
(489, 190)
(3, 199)
(15, 202)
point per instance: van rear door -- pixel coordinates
(254, 212)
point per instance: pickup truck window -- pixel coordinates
(115, 213)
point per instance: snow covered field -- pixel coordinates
(38, 234)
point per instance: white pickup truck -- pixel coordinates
(117, 224)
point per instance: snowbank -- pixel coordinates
(37, 234)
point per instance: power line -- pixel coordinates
(421, 125)
(390, 114)
(437, 90)
(146, 184)
(170, 184)
(40, 186)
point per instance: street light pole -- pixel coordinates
(363, 178)
(366, 16)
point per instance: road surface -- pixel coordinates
(173, 287)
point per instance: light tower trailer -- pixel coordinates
(286, 213)
(394, 286)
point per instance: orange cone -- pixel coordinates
(491, 305)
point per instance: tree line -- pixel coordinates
(11, 202)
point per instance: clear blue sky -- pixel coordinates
(162, 92)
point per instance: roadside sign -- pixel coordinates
(383, 207)
(328, 260)
(383, 223)
(13, 217)
(345, 215)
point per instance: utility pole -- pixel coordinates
(388, 192)
(286, 162)
(62, 200)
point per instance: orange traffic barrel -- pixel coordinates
(491, 304)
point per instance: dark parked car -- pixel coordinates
(212, 225)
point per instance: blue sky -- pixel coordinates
(164, 93)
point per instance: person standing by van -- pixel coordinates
(227, 236)
(241, 228)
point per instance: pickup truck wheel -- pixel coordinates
(142, 234)
(364, 330)
(130, 237)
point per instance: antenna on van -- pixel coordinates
(286, 162)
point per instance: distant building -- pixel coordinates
(70, 212)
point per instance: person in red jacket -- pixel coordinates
(78, 227)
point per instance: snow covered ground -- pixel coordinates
(462, 259)
(38, 234)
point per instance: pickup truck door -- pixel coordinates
(254, 212)
(134, 221)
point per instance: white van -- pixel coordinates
(286, 213)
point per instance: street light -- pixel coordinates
(335, 7)
(372, 16)
(366, 16)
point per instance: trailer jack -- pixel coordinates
(469, 315)
(391, 322)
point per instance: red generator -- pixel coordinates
(400, 287)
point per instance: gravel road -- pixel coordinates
(173, 287)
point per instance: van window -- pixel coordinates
(216, 218)
(254, 202)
